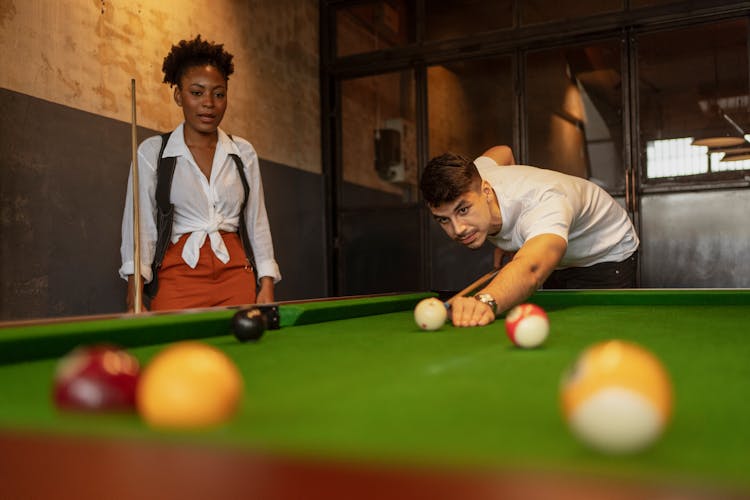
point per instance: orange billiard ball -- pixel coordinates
(617, 398)
(189, 385)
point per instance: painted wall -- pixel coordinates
(84, 53)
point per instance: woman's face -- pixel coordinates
(202, 95)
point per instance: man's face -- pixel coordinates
(467, 219)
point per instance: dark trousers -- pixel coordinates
(603, 275)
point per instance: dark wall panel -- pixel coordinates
(63, 174)
(379, 247)
(294, 200)
(62, 178)
(696, 240)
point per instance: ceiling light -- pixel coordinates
(718, 141)
(733, 136)
(736, 157)
(745, 148)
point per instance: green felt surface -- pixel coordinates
(378, 387)
(23, 342)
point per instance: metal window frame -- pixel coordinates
(517, 41)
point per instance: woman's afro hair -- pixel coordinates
(197, 52)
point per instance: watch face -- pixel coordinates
(486, 298)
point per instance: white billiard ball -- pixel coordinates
(430, 314)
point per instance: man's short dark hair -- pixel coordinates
(196, 52)
(448, 176)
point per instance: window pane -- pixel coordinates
(673, 157)
(470, 106)
(378, 138)
(378, 219)
(458, 18)
(373, 26)
(470, 109)
(693, 83)
(574, 112)
(678, 157)
(721, 162)
(539, 11)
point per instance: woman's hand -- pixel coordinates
(265, 294)
(130, 298)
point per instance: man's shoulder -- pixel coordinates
(491, 171)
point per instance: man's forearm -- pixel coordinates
(516, 282)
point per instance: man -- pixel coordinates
(560, 229)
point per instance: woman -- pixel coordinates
(204, 263)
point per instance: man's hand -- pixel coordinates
(515, 281)
(468, 311)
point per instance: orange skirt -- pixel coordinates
(212, 283)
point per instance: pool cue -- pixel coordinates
(476, 285)
(137, 281)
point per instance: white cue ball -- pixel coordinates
(430, 314)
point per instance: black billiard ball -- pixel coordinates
(248, 324)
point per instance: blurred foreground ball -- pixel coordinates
(189, 385)
(617, 398)
(96, 378)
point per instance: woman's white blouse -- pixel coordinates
(202, 208)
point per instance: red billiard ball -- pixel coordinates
(96, 378)
(527, 325)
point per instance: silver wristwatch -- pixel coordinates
(486, 298)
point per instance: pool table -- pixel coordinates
(350, 399)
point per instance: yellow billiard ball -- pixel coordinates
(189, 385)
(617, 398)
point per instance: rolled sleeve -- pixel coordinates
(485, 161)
(258, 228)
(147, 152)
